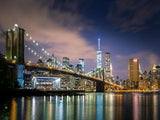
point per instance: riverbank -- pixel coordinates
(38, 92)
(134, 91)
(42, 92)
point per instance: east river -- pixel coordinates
(88, 106)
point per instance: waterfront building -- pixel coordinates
(99, 55)
(71, 67)
(65, 63)
(40, 62)
(155, 77)
(52, 62)
(107, 65)
(117, 80)
(78, 68)
(133, 70)
(81, 62)
(151, 79)
(15, 44)
(49, 62)
(111, 70)
(55, 61)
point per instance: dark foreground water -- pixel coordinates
(91, 106)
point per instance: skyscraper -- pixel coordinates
(52, 62)
(81, 62)
(65, 62)
(78, 68)
(134, 72)
(15, 44)
(108, 65)
(71, 67)
(99, 55)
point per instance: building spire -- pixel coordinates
(99, 55)
(154, 67)
(99, 44)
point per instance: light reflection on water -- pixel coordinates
(91, 106)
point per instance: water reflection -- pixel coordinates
(136, 112)
(91, 106)
(14, 110)
(155, 104)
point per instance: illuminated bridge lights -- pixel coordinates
(36, 50)
(76, 74)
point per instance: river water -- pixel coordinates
(89, 106)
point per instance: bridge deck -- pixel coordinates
(63, 71)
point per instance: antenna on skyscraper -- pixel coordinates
(99, 43)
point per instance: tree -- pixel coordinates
(3, 72)
(6, 80)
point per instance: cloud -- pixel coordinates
(56, 29)
(133, 15)
(147, 60)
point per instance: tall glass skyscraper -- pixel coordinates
(99, 55)
(65, 62)
(133, 70)
(81, 62)
(108, 64)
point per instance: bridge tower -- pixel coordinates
(15, 49)
(15, 44)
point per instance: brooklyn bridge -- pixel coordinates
(50, 74)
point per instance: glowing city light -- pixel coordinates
(135, 60)
(16, 25)
(15, 57)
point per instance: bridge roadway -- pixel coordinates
(64, 71)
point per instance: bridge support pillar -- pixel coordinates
(99, 87)
(20, 69)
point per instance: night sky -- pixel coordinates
(127, 28)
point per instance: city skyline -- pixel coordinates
(65, 28)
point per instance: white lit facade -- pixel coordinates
(81, 62)
(65, 62)
(99, 55)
